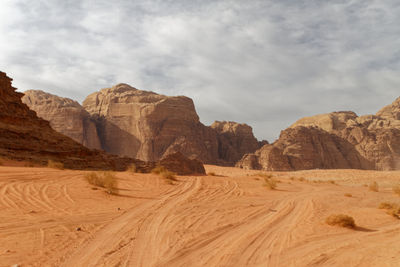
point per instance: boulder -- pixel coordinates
(181, 165)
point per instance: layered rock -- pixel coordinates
(24, 136)
(66, 116)
(234, 140)
(181, 165)
(335, 140)
(148, 126)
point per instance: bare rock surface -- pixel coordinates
(149, 126)
(337, 140)
(65, 115)
(234, 140)
(181, 165)
(25, 136)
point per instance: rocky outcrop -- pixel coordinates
(125, 121)
(66, 116)
(337, 140)
(234, 140)
(148, 126)
(24, 136)
(181, 165)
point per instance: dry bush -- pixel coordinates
(132, 168)
(387, 205)
(348, 195)
(291, 178)
(158, 169)
(341, 220)
(170, 176)
(270, 183)
(331, 182)
(211, 174)
(373, 186)
(55, 164)
(301, 179)
(106, 180)
(392, 209)
(396, 189)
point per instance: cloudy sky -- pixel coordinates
(266, 63)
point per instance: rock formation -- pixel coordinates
(234, 140)
(181, 165)
(24, 136)
(65, 116)
(147, 125)
(125, 121)
(334, 141)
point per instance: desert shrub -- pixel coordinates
(168, 175)
(270, 183)
(341, 220)
(132, 168)
(396, 189)
(387, 205)
(301, 179)
(106, 180)
(348, 195)
(55, 164)
(211, 174)
(158, 169)
(331, 182)
(392, 209)
(264, 175)
(373, 186)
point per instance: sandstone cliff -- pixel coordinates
(66, 116)
(234, 140)
(148, 126)
(334, 140)
(24, 136)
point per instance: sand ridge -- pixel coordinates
(55, 218)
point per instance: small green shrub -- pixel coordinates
(55, 164)
(341, 220)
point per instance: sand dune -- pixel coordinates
(55, 218)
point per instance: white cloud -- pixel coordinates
(265, 63)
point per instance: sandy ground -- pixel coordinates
(55, 218)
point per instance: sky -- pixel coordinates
(266, 63)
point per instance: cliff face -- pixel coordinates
(24, 136)
(65, 116)
(234, 140)
(335, 140)
(149, 126)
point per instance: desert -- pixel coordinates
(153, 133)
(54, 217)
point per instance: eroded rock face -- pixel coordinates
(337, 140)
(181, 165)
(65, 115)
(148, 126)
(24, 136)
(234, 140)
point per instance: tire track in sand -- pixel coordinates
(115, 243)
